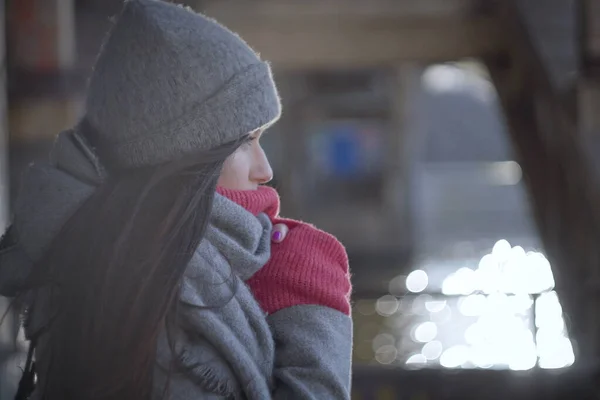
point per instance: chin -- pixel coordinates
(246, 188)
(238, 186)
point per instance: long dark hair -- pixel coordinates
(115, 270)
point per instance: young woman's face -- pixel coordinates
(247, 168)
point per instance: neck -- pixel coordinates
(263, 200)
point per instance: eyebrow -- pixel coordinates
(257, 133)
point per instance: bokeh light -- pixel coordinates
(425, 332)
(417, 281)
(432, 350)
(499, 311)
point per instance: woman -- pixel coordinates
(142, 278)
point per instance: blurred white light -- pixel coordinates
(455, 356)
(502, 334)
(453, 78)
(522, 353)
(387, 305)
(498, 304)
(506, 269)
(466, 277)
(397, 286)
(405, 305)
(488, 274)
(483, 356)
(520, 303)
(538, 273)
(523, 362)
(517, 253)
(554, 323)
(425, 332)
(487, 261)
(461, 282)
(442, 316)
(417, 281)
(547, 340)
(435, 305)
(444, 78)
(432, 350)
(383, 339)
(561, 355)
(386, 354)
(548, 311)
(513, 272)
(417, 359)
(505, 173)
(451, 286)
(419, 304)
(550, 301)
(554, 348)
(473, 305)
(501, 250)
(474, 335)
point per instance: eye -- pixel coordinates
(250, 140)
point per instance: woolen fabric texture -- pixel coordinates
(309, 267)
(170, 82)
(230, 344)
(256, 321)
(232, 350)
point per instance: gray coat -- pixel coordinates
(301, 352)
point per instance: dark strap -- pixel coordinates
(27, 382)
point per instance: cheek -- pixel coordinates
(234, 174)
(238, 164)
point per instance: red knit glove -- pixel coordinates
(309, 267)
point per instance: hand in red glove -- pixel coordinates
(307, 267)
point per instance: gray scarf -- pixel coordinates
(222, 339)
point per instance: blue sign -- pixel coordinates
(348, 150)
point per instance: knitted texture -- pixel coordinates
(310, 267)
(170, 82)
(221, 338)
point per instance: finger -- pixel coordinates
(279, 232)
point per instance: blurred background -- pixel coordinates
(452, 145)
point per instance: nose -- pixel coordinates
(261, 172)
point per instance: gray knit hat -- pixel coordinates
(169, 82)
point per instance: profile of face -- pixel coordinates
(248, 167)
